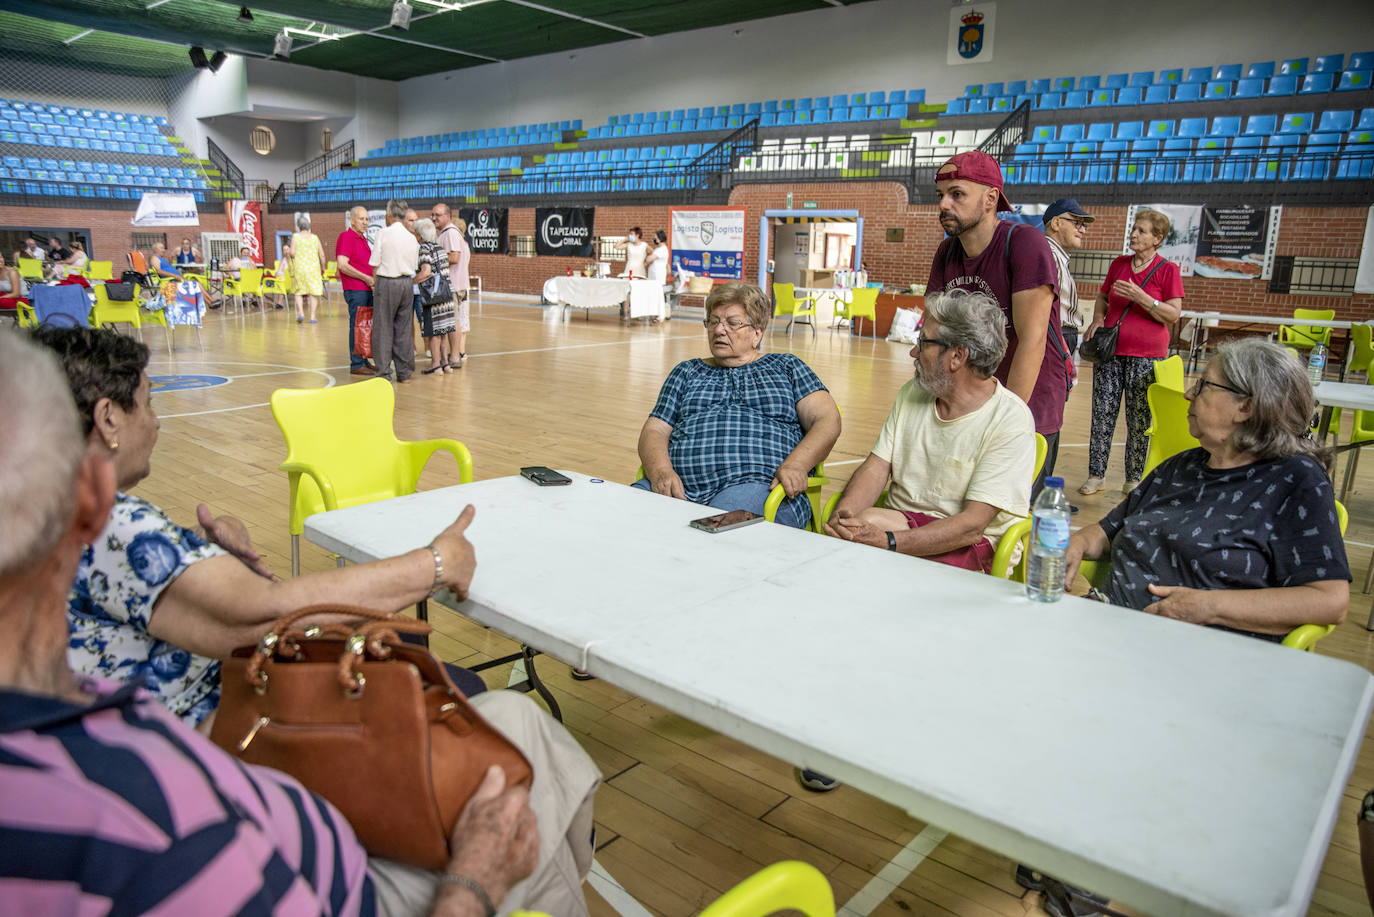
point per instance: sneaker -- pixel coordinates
(1090, 486)
(815, 781)
(1129, 486)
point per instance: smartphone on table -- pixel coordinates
(544, 477)
(726, 521)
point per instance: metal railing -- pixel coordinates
(711, 170)
(323, 164)
(86, 195)
(229, 173)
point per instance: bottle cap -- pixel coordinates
(1054, 482)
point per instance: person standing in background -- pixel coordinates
(453, 240)
(394, 259)
(352, 254)
(307, 268)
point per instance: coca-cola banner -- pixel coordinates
(486, 230)
(245, 218)
(565, 231)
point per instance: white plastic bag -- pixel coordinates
(904, 322)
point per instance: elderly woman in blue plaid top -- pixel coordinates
(728, 429)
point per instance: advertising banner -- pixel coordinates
(1237, 241)
(1180, 246)
(709, 243)
(245, 218)
(486, 230)
(1364, 275)
(156, 208)
(971, 33)
(565, 231)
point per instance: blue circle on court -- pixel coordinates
(177, 383)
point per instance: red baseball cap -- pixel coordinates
(975, 166)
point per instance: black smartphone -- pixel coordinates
(544, 477)
(726, 521)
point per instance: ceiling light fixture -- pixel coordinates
(245, 14)
(282, 49)
(400, 15)
(198, 58)
(217, 60)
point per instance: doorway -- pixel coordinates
(806, 247)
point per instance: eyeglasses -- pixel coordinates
(733, 324)
(1201, 384)
(922, 341)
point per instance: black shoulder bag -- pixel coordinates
(1101, 347)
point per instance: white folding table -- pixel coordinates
(1181, 770)
(587, 293)
(1272, 321)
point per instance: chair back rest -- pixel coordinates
(1362, 344)
(786, 295)
(787, 886)
(100, 270)
(864, 301)
(64, 306)
(138, 262)
(345, 432)
(250, 279)
(1169, 372)
(30, 268)
(1320, 315)
(1169, 424)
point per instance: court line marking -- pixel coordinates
(330, 382)
(615, 894)
(894, 873)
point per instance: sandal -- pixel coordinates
(1129, 486)
(1090, 486)
(431, 370)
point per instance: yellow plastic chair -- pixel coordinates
(814, 483)
(794, 307)
(201, 280)
(1303, 637)
(25, 315)
(331, 274)
(342, 451)
(100, 270)
(1168, 430)
(865, 305)
(1169, 373)
(1361, 347)
(277, 281)
(1306, 337)
(30, 269)
(787, 886)
(108, 312)
(248, 284)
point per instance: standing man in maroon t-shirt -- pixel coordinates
(1017, 269)
(352, 253)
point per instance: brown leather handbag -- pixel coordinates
(369, 722)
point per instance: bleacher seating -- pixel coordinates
(66, 151)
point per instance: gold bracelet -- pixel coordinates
(438, 570)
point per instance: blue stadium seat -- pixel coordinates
(1089, 83)
(1225, 126)
(1217, 90)
(1002, 103)
(769, 119)
(1061, 84)
(1071, 132)
(915, 96)
(825, 116)
(1228, 72)
(1047, 101)
(1282, 86)
(1167, 168)
(753, 108)
(977, 106)
(1296, 122)
(1261, 125)
(1357, 159)
(1130, 130)
(896, 97)
(1101, 130)
(1187, 92)
(1104, 171)
(1329, 63)
(1260, 71)
(1249, 88)
(1317, 158)
(1315, 83)
(1340, 122)
(1015, 87)
(1353, 80)
(993, 89)
(1131, 95)
(1192, 127)
(973, 90)
(1295, 67)
(1036, 87)
(1280, 166)
(1102, 97)
(1116, 81)
(1160, 130)
(1142, 79)
(738, 107)
(1155, 95)
(1134, 167)
(1044, 133)
(1238, 166)
(1171, 77)
(1363, 60)
(1076, 99)
(785, 117)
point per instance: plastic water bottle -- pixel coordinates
(1316, 364)
(1049, 542)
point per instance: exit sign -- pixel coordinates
(808, 205)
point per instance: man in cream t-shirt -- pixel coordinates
(957, 452)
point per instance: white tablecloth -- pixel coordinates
(646, 296)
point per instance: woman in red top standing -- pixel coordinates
(1143, 293)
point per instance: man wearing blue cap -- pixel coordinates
(1066, 224)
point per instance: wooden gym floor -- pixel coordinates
(684, 813)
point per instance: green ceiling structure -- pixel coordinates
(151, 37)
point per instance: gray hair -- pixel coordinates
(973, 321)
(1281, 400)
(396, 209)
(426, 229)
(40, 452)
(303, 222)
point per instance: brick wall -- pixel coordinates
(1316, 231)
(111, 231)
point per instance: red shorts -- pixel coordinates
(977, 556)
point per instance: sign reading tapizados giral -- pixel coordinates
(566, 231)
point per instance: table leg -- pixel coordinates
(1324, 425)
